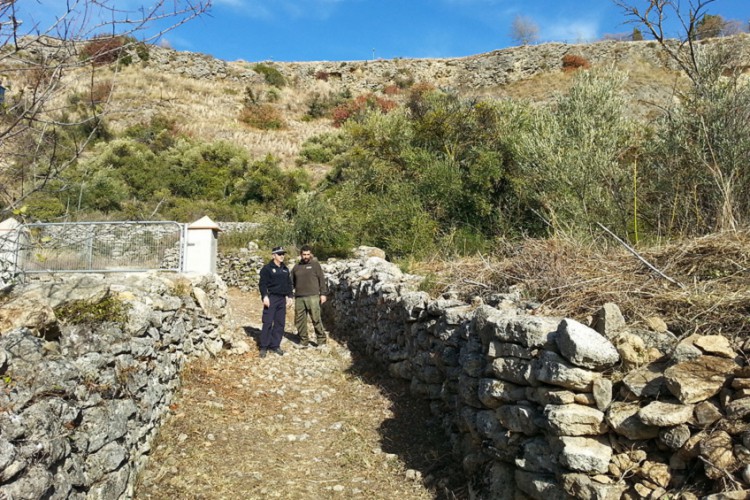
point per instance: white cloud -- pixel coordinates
(570, 31)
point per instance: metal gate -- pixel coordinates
(100, 247)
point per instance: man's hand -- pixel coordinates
(266, 301)
(323, 299)
(289, 302)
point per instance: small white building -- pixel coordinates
(201, 246)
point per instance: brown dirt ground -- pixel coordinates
(310, 424)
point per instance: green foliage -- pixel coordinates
(319, 106)
(83, 312)
(264, 182)
(321, 149)
(159, 134)
(317, 222)
(44, 207)
(570, 158)
(698, 162)
(410, 181)
(272, 75)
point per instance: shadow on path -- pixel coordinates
(413, 433)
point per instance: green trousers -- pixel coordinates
(302, 307)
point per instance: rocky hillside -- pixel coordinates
(206, 94)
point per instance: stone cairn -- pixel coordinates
(549, 408)
(82, 403)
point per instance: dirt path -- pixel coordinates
(310, 424)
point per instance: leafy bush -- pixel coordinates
(321, 149)
(262, 116)
(571, 161)
(264, 182)
(359, 106)
(319, 106)
(697, 165)
(272, 75)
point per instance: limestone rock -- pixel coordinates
(515, 370)
(655, 472)
(584, 346)
(608, 320)
(27, 312)
(583, 487)
(699, 379)
(715, 344)
(674, 437)
(602, 392)
(739, 408)
(662, 414)
(508, 326)
(519, 418)
(632, 350)
(656, 324)
(499, 349)
(575, 420)
(537, 456)
(706, 413)
(647, 381)
(492, 393)
(623, 418)
(552, 369)
(686, 350)
(364, 252)
(716, 449)
(582, 454)
(539, 486)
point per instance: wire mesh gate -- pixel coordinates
(100, 247)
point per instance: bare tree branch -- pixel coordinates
(42, 130)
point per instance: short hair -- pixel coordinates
(305, 248)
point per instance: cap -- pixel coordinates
(278, 250)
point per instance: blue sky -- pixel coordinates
(333, 30)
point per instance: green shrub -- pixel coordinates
(321, 149)
(272, 75)
(83, 312)
(264, 182)
(319, 106)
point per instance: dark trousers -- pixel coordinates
(274, 319)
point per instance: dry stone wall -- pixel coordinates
(82, 403)
(549, 408)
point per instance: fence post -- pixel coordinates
(202, 246)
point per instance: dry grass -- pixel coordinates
(574, 280)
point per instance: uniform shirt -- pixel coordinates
(275, 280)
(309, 279)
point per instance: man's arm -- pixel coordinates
(263, 286)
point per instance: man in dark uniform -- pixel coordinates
(276, 290)
(310, 291)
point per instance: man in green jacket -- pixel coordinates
(310, 291)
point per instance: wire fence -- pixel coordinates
(100, 247)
